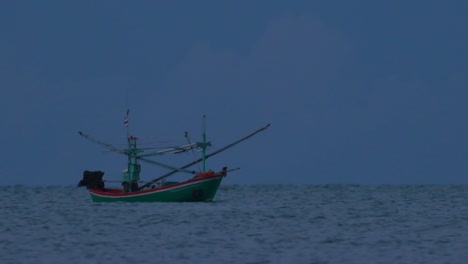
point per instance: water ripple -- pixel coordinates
(246, 224)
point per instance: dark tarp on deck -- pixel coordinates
(92, 179)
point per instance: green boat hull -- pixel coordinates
(193, 190)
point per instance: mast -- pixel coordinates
(126, 121)
(132, 175)
(204, 145)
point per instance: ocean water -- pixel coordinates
(245, 224)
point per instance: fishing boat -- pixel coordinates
(201, 186)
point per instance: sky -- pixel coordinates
(367, 92)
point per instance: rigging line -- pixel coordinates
(109, 146)
(174, 150)
(207, 156)
(166, 166)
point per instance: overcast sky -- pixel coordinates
(364, 92)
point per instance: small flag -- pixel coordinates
(126, 118)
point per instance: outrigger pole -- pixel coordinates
(204, 157)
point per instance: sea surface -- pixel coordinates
(245, 224)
